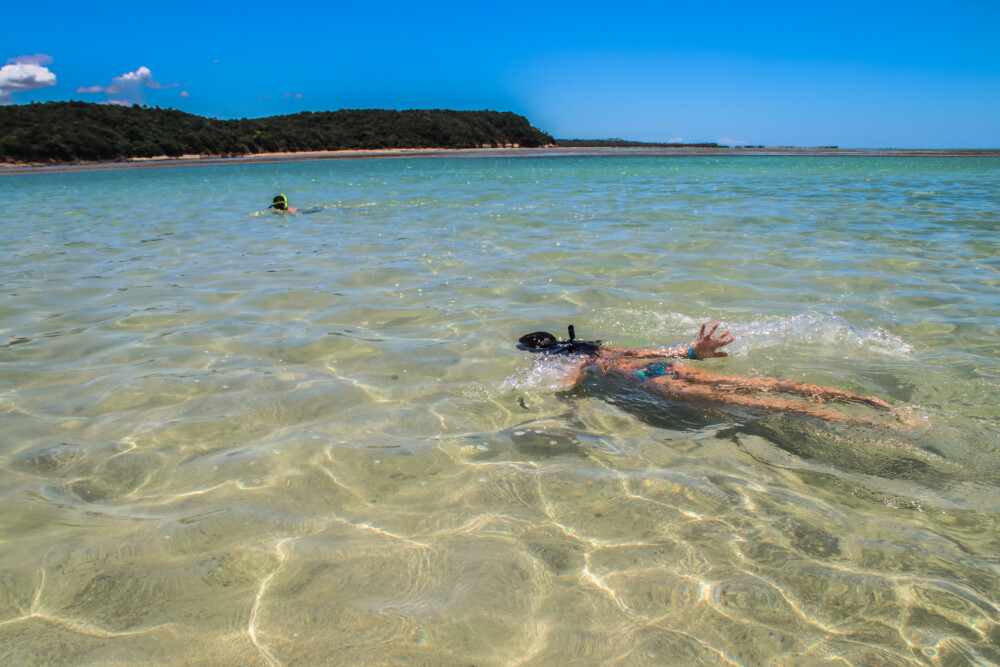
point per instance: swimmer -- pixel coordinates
(686, 383)
(280, 203)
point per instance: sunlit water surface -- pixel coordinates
(241, 438)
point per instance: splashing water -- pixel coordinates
(812, 329)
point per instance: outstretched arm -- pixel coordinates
(705, 346)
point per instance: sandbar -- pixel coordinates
(548, 151)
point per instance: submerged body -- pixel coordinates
(683, 382)
(695, 385)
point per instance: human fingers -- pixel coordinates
(725, 338)
(720, 340)
(701, 332)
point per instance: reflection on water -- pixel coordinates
(242, 439)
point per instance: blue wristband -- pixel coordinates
(691, 354)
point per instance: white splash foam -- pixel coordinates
(816, 329)
(824, 330)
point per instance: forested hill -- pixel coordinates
(84, 131)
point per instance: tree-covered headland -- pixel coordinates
(83, 131)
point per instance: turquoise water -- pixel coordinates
(241, 438)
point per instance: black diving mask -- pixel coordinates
(543, 342)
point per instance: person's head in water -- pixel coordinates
(546, 343)
(280, 203)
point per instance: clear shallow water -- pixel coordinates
(232, 438)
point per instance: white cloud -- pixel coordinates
(676, 140)
(25, 73)
(140, 77)
(128, 87)
(185, 93)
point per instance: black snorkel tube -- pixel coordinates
(542, 342)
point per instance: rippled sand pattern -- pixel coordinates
(234, 439)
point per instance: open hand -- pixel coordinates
(707, 345)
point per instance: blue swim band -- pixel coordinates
(691, 354)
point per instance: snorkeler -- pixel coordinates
(280, 203)
(686, 383)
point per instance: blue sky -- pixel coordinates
(852, 74)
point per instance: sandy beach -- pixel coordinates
(551, 151)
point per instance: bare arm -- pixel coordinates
(648, 353)
(705, 346)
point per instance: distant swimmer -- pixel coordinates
(280, 203)
(686, 383)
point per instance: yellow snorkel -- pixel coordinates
(280, 203)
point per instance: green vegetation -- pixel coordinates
(84, 131)
(623, 143)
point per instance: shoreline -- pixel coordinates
(552, 151)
